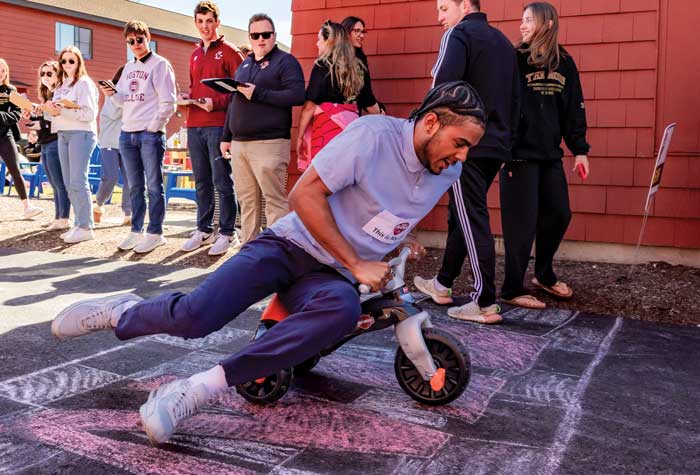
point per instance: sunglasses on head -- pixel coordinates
(48, 74)
(64, 61)
(265, 34)
(132, 41)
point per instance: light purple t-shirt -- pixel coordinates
(380, 189)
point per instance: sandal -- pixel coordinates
(560, 289)
(526, 301)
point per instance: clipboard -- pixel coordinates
(67, 104)
(21, 101)
(223, 85)
(186, 102)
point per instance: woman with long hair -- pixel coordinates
(10, 115)
(335, 94)
(357, 31)
(48, 77)
(534, 192)
(74, 110)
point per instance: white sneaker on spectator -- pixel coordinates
(68, 233)
(31, 211)
(430, 287)
(91, 315)
(149, 242)
(58, 224)
(197, 239)
(473, 313)
(48, 223)
(130, 241)
(221, 246)
(97, 213)
(169, 405)
(79, 235)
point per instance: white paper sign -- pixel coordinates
(386, 227)
(659, 167)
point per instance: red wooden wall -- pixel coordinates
(639, 71)
(28, 39)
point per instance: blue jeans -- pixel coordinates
(209, 174)
(142, 152)
(324, 307)
(112, 162)
(52, 167)
(74, 150)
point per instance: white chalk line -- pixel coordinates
(571, 417)
(569, 320)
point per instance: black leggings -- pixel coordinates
(8, 153)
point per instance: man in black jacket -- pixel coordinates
(258, 123)
(475, 52)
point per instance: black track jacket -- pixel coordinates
(478, 53)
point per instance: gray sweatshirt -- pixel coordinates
(146, 92)
(110, 125)
(83, 93)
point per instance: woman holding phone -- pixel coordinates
(48, 76)
(9, 118)
(534, 192)
(74, 118)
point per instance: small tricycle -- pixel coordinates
(431, 365)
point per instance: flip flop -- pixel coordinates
(526, 301)
(564, 291)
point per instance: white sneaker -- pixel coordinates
(58, 225)
(222, 245)
(97, 213)
(31, 211)
(197, 239)
(169, 405)
(79, 235)
(149, 242)
(68, 233)
(91, 315)
(473, 313)
(47, 224)
(130, 241)
(428, 286)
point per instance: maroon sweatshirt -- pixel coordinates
(221, 60)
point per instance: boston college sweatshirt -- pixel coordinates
(146, 92)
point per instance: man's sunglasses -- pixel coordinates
(48, 74)
(265, 34)
(64, 61)
(133, 41)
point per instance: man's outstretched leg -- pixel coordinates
(325, 307)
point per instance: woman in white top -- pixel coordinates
(74, 109)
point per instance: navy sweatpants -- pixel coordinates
(469, 230)
(323, 306)
(534, 204)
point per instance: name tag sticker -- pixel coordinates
(386, 227)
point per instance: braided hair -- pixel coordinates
(452, 102)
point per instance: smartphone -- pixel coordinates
(108, 84)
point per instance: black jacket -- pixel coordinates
(552, 109)
(9, 113)
(478, 53)
(279, 85)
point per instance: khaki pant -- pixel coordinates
(260, 170)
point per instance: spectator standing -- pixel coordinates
(77, 137)
(534, 193)
(111, 160)
(146, 93)
(471, 50)
(357, 30)
(258, 126)
(9, 117)
(335, 94)
(48, 77)
(213, 58)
